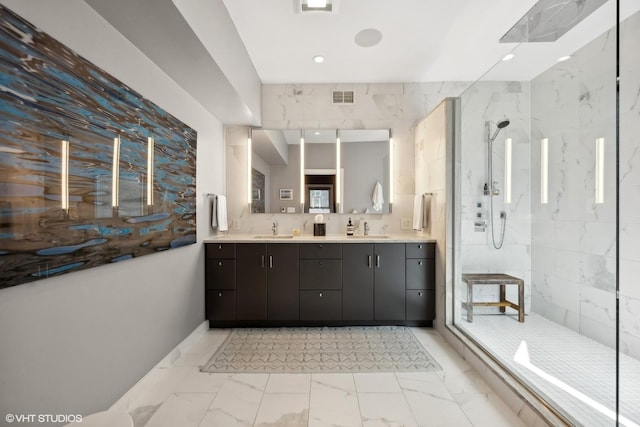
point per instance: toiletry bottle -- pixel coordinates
(349, 228)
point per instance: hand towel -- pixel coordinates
(377, 198)
(222, 213)
(213, 212)
(417, 212)
(426, 210)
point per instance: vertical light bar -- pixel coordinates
(544, 170)
(391, 177)
(338, 159)
(507, 170)
(249, 172)
(600, 170)
(150, 152)
(115, 176)
(64, 175)
(302, 170)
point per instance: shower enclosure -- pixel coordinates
(549, 155)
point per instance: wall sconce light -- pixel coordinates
(391, 177)
(338, 178)
(150, 152)
(249, 171)
(115, 176)
(507, 170)
(599, 171)
(302, 191)
(544, 170)
(64, 175)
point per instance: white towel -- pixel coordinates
(213, 212)
(378, 197)
(417, 212)
(426, 210)
(221, 213)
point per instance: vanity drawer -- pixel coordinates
(220, 273)
(321, 250)
(420, 273)
(421, 250)
(321, 305)
(221, 305)
(420, 305)
(321, 274)
(220, 250)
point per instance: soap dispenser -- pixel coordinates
(349, 228)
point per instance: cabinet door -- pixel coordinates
(421, 273)
(357, 281)
(389, 281)
(251, 285)
(421, 305)
(320, 305)
(282, 281)
(221, 305)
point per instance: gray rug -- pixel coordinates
(307, 350)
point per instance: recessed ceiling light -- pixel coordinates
(564, 58)
(316, 133)
(317, 3)
(368, 38)
(508, 57)
(318, 58)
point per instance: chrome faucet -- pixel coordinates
(274, 228)
(366, 228)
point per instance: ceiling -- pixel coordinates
(422, 40)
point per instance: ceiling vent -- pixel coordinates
(343, 97)
(309, 6)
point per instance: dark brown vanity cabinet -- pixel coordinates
(420, 281)
(389, 281)
(357, 281)
(251, 284)
(220, 282)
(321, 281)
(282, 281)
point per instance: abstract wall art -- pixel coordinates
(90, 171)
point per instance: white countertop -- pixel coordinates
(331, 238)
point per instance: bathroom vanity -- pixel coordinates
(313, 281)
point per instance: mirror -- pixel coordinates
(275, 171)
(320, 178)
(365, 171)
(342, 175)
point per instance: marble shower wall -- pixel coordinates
(573, 248)
(398, 106)
(494, 101)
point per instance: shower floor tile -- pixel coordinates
(575, 372)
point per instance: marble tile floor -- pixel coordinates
(575, 372)
(181, 395)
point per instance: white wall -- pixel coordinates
(75, 343)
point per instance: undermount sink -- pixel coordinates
(271, 236)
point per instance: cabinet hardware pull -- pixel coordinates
(419, 294)
(369, 261)
(419, 246)
(320, 246)
(219, 246)
(377, 260)
(261, 261)
(219, 262)
(219, 294)
(270, 261)
(321, 262)
(419, 262)
(320, 294)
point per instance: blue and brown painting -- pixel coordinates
(49, 94)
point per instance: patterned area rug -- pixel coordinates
(339, 349)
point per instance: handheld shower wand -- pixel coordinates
(491, 186)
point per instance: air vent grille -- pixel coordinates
(343, 97)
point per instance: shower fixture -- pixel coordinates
(491, 186)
